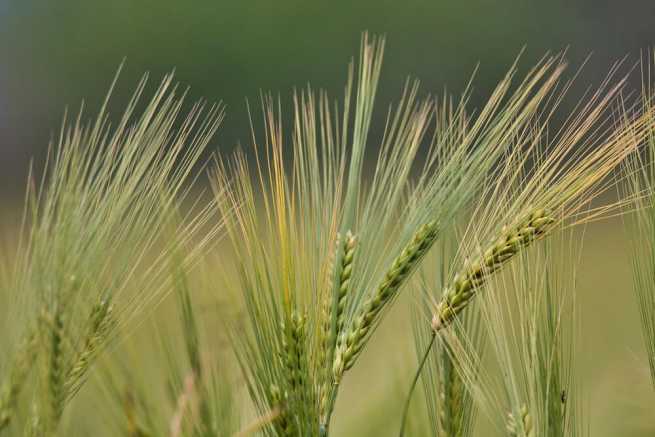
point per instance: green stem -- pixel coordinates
(413, 386)
(323, 428)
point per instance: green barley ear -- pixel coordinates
(294, 355)
(345, 275)
(328, 336)
(470, 279)
(54, 367)
(353, 340)
(346, 250)
(343, 290)
(100, 325)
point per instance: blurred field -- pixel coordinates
(55, 54)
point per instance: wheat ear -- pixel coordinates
(523, 427)
(352, 341)
(468, 281)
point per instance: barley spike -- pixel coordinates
(352, 342)
(468, 281)
(100, 322)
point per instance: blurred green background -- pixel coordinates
(54, 54)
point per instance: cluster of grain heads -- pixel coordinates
(289, 215)
(97, 229)
(538, 188)
(320, 250)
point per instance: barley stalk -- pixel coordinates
(353, 341)
(468, 281)
(413, 385)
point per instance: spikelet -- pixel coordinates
(523, 427)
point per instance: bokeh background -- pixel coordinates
(54, 54)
